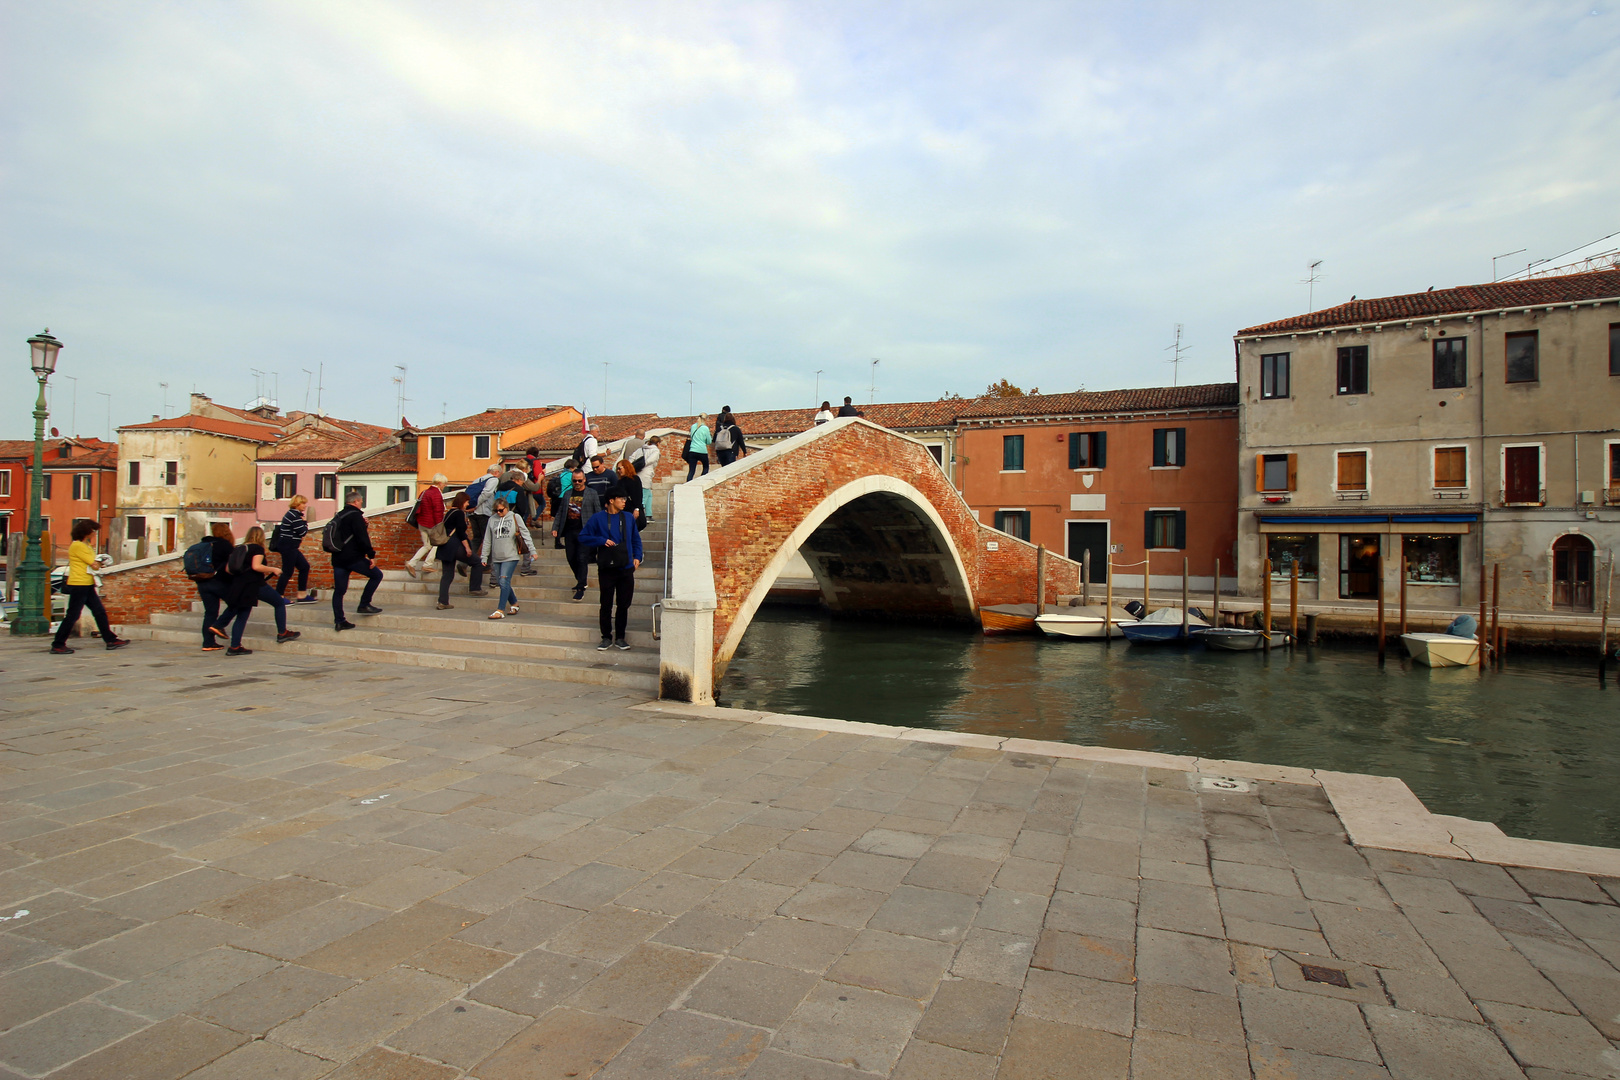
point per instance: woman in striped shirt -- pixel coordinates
(289, 538)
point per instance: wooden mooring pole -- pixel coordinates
(1293, 602)
(1185, 618)
(1216, 598)
(1265, 604)
(1108, 605)
(1481, 630)
(1380, 609)
(1496, 613)
(1040, 579)
(1603, 626)
(1403, 595)
(1085, 576)
(1147, 583)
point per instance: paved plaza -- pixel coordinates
(286, 867)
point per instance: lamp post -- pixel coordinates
(31, 618)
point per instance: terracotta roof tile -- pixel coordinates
(251, 432)
(12, 449)
(395, 459)
(1533, 292)
(1145, 399)
(613, 428)
(490, 420)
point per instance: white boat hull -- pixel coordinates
(1232, 640)
(1441, 650)
(1078, 626)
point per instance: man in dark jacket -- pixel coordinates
(848, 409)
(355, 555)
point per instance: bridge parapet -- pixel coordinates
(874, 516)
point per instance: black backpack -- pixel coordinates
(331, 538)
(238, 560)
(199, 561)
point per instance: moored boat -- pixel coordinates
(1084, 622)
(1163, 626)
(1008, 619)
(1457, 647)
(1233, 638)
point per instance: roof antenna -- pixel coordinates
(1504, 255)
(1175, 350)
(1312, 276)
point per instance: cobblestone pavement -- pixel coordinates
(276, 868)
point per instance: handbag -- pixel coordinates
(616, 557)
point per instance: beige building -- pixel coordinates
(1450, 429)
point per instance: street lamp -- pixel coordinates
(31, 617)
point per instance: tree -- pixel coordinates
(1002, 389)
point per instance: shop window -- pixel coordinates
(358, 489)
(436, 447)
(398, 494)
(1451, 466)
(1276, 472)
(326, 486)
(82, 485)
(1088, 449)
(1522, 361)
(1013, 522)
(1286, 549)
(1351, 472)
(1169, 447)
(1165, 529)
(1433, 560)
(286, 485)
(1353, 369)
(1450, 363)
(134, 473)
(1274, 375)
(1012, 453)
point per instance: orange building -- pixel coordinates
(81, 481)
(464, 449)
(1131, 474)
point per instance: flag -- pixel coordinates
(584, 421)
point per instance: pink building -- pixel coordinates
(305, 463)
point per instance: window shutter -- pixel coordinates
(1158, 447)
(1181, 446)
(1259, 472)
(1147, 530)
(1181, 529)
(1074, 449)
(1102, 450)
(1293, 472)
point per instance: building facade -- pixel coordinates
(384, 475)
(464, 449)
(1440, 432)
(1142, 477)
(179, 476)
(80, 482)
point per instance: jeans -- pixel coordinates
(503, 572)
(475, 577)
(278, 604)
(212, 592)
(447, 574)
(79, 598)
(693, 459)
(292, 559)
(238, 617)
(341, 569)
(578, 558)
(726, 457)
(618, 589)
(422, 552)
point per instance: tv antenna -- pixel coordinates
(1504, 255)
(400, 398)
(258, 385)
(75, 424)
(1175, 349)
(1313, 274)
(307, 383)
(871, 394)
(165, 397)
(818, 381)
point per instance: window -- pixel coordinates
(1274, 375)
(171, 473)
(1353, 369)
(1088, 449)
(1614, 348)
(1286, 549)
(1276, 472)
(1169, 447)
(399, 494)
(82, 487)
(134, 473)
(436, 447)
(1352, 470)
(326, 486)
(1165, 529)
(1012, 453)
(45, 487)
(1432, 560)
(480, 446)
(286, 485)
(1451, 466)
(938, 454)
(135, 528)
(1614, 473)
(1521, 356)
(1521, 474)
(5, 481)
(1014, 522)
(360, 490)
(45, 524)
(1450, 363)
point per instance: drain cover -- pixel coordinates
(1317, 974)
(1222, 783)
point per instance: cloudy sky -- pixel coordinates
(504, 197)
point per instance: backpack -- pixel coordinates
(238, 560)
(723, 440)
(275, 537)
(199, 561)
(579, 452)
(554, 487)
(474, 492)
(331, 542)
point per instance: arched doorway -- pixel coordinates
(1572, 573)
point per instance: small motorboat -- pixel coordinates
(1008, 619)
(1457, 647)
(1233, 638)
(1163, 626)
(1086, 621)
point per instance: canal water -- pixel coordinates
(1536, 749)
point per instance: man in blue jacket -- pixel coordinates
(612, 531)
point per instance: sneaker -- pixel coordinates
(344, 625)
(622, 645)
(477, 592)
(218, 631)
(62, 650)
(288, 635)
(117, 643)
(528, 573)
(443, 607)
(604, 645)
(238, 650)
(213, 648)
(579, 592)
(410, 569)
(369, 609)
(461, 568)
(310, 599)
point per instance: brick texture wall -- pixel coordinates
(134, 591)
(751, 515)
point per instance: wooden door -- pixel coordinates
(168, 535)
(1521, 470)
(1572, 573)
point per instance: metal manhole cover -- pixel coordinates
(1223, 783)
(1332, 976)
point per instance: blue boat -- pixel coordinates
(1162, 626)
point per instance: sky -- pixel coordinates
(650, 207)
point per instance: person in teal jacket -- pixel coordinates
(698, 450)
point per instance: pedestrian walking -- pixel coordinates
(505, 541)
(427, 515)
(728, 438)
(207, 564)
(250, 584)
(579, 504)
(516, 482)
(590, 444)
(354, 555)
(481, 507)
(81, 591)
(600, 479)
(612, 531)
(632, 446)
(287, 542)
(634, 494)
(848, 409)
(646, 459)
(456, 549)
(697, 447)
(824, 413)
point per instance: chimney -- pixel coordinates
(198, 401)
(156, 417)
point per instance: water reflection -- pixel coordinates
(1534, 749)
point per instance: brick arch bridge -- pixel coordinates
(879, 523)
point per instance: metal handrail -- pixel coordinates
(658, 605)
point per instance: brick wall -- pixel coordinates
(133, 591)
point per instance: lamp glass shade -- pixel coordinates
(43, 348)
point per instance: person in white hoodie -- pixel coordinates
(506, 540)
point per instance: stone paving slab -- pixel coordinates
(288, 866)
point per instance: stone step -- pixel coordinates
(558, 575)
(598, 672)
(577, 629)
(551, 602)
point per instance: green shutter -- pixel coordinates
(1181, 529)
(1075, 445)
(1102, 450)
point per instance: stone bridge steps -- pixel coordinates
(536, 600)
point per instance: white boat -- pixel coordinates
(1457, 647)
(1083, 622)
(1235, 639)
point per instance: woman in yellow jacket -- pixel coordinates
(81, 590)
